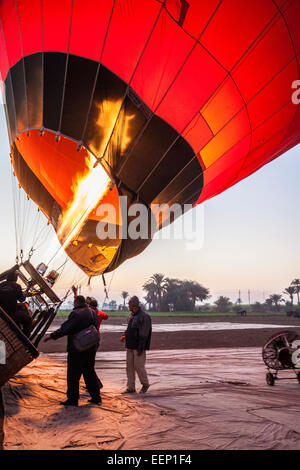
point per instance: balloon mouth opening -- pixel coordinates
(77, 182)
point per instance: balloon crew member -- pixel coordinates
(101, 316)
(81, 325)
(23, 318)
(75, 292)
(137, 341)
(10, 293)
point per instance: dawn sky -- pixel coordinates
(250, 237)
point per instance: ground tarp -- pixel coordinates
(198, 399)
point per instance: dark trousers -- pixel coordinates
(82, 363)
(23, 320)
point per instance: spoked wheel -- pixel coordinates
(270, 379)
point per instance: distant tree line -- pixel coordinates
(274, 303)
(164, 294)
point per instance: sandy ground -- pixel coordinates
(209, 396)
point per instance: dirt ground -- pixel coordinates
(227, 338)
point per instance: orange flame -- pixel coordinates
(88, 190)
(112, 122)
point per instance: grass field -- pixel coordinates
(65, 313)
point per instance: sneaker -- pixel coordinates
(128, 390)
(97, 401)
(144, 388)
(69, 403)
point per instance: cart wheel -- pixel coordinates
(298, 377)
(270, 379)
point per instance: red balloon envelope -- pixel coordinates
(177, 100)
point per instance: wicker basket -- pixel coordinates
(19, 350)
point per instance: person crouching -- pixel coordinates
(79, 362)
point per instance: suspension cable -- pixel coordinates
(13, 187)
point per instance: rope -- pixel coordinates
(55, 254)
(105, 290)
(63, 265)
(36, 225)
(13, 188)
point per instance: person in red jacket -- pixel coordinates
(101, 315)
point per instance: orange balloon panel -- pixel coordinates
(55, 162)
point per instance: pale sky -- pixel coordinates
(251, 237)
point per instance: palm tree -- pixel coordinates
(275, 299)
(124, 295)
(159, 281)
(173, 293)
(223, 304)
(291, 290)
(296, 284)
(157, 285)
(269, 303)
(195, 292)
(150, 297)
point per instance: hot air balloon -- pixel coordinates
(161, 101)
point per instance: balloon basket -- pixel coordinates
(16, 349)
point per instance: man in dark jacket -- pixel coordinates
(10, 294)
(79, 363)
(137, 340)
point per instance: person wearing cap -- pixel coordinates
(137, 341)
(11, 293)
(75, 292)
